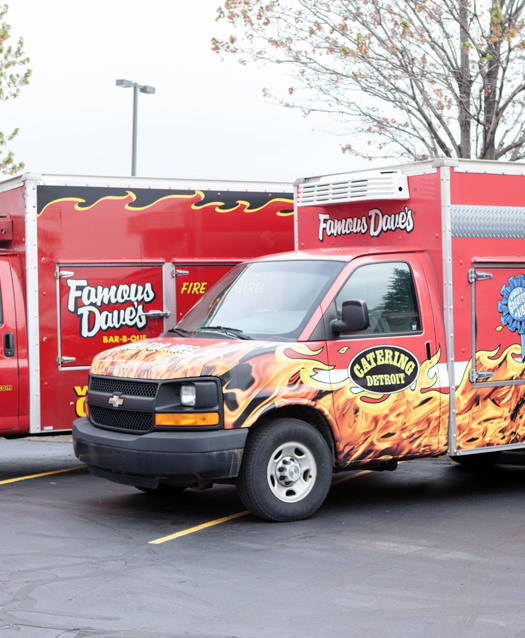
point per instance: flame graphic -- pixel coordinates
(151, 359)
(275, 380)
(283, 206)
(258, 377)
(492, 416)
(403, 424)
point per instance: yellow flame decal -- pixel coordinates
(238, 203)
(129, 194)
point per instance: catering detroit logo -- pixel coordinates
(90, 304)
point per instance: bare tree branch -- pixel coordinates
(418, 78)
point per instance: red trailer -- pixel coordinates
(90, 261)
(395, 331)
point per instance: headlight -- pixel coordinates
(189, 402)
(188, 395)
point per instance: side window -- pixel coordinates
(388, 289)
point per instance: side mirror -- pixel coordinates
(355, 317)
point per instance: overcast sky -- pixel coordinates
(208, 119)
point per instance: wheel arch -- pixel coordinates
(305, 413)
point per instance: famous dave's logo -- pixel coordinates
(512, 308)
(384, 370)
(86, 302)
(375, 224)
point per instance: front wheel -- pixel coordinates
(286, 471)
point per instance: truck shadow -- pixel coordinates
(427, 483)
(424, 484)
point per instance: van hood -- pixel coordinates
(167, 358)
(256, 375)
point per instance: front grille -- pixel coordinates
(118, 386)
(122, 419)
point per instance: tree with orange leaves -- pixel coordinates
(418, 78)
(12, 78)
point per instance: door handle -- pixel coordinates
(9, 344)
(157, 314)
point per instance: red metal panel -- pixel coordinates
(6, 228)
(114, 225)
(377, 224)
(481, 189)
(465, 253)
(21, 328)
(103, 223)
(9, 389)
(192, 286)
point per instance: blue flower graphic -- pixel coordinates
(512, 308)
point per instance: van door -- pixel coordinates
(382, 380)
(9, 379)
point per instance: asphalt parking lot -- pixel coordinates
(429, 550)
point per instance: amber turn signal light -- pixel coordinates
(208, 418)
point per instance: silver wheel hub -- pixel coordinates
(288, 471)
(291, 472)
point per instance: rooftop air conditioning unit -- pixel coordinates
(369, 186)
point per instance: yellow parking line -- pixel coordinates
(24, 478)
(347, 478)
(198, 528)
(229, 518)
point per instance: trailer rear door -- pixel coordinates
(103, 306)
(497, 323)
(490, 400)
(9, 379)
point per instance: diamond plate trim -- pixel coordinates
(503, 222)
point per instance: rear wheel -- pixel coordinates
(477, 461)
(286, 471)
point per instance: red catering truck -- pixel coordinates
(87, 262)
(395, 331)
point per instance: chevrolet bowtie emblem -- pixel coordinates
(115, 401)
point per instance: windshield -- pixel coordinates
(270, 300)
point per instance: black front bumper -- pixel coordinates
(144, 460)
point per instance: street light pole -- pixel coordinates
(136, 88)
(134, 139)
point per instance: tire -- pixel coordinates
(477, 461)
(286, 471)
(163, 489)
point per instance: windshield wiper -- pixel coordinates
(232, 332)
(180, 331)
